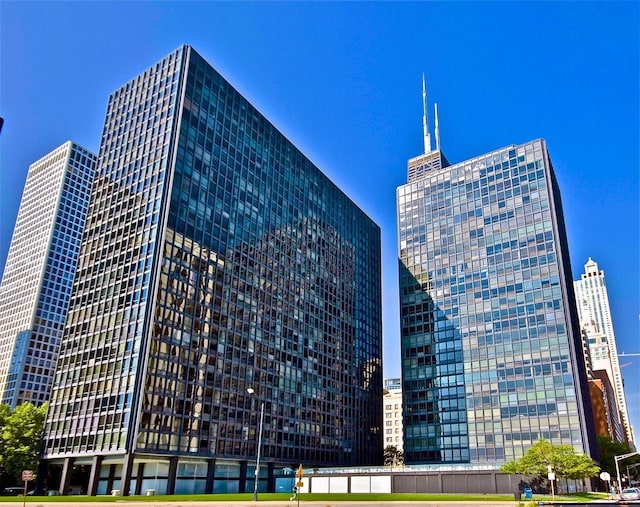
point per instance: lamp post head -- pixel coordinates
(250, 390)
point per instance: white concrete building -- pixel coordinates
(38, 274)
(594, 313)
(393, 413)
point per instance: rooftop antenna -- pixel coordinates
(425, 126)
(435, 106)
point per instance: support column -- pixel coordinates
(211, 473)
(271, 480)
(125, 480)
(111, 478)
(139, 479)
(173, 471)
(94, 476)
(65, 478)
(242, 482)
(41, 478)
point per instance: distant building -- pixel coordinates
(594, 313)
(605, 411)
(393, 413)
(38, 275)
(606, 416)
(597, 354)
(492, 357)
(216, 258)
(393, 384)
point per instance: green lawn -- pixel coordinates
(309, 497)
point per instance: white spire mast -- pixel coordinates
(425, 126)
(435, 106)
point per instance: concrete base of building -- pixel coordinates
(162, 475)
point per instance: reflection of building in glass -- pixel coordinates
(38, 275)
(491, 353)
(594, 313)
(217, 257)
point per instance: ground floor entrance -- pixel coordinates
(125, 475)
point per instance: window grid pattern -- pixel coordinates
(36, 287)
(393, 418)
(486, 351)
(93, 391)
(268, 276)
(259, 287)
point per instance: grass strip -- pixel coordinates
(336, 497)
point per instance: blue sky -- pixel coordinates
(342, 80)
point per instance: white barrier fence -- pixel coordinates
(350, 484)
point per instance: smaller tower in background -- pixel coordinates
(430, 160)
(594, 313)
(393, 413)
(38, 275)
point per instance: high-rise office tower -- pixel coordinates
(594, 313)
(492, 358)
(217, 258)
(38, 275)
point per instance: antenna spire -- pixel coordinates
(425, 126)
(435, 106)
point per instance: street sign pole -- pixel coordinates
(606, 476)
(617, 459)
(299, 483)
(27, 475)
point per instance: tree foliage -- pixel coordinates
(21, 433)
(608, 449)
(566, 463)
(393, 456)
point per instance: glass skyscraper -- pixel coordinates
(492, 358)
(216, 258)
(38, 275)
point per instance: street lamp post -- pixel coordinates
(629, 467)
(252, 392)
(617, 460)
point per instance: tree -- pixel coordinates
(608, 449)
(21, 437)
(393, 456)
(565, 462)
(5, 412)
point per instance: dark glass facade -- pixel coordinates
(491, 353)
(217, 258)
